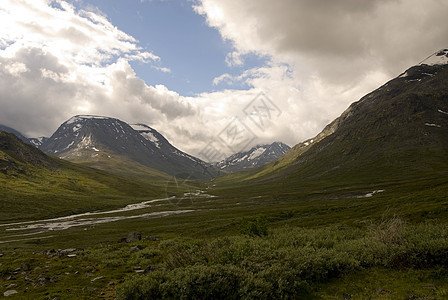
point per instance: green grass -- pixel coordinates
(350, 236)
(386, 259)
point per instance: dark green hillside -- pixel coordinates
(397, 132)
(33, 184)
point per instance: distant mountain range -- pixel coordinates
(255, 157)
(110, 144)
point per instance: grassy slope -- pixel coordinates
(55, 187)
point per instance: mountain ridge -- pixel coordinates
(107, 142)
(255, 157)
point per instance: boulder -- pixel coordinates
(133, 237)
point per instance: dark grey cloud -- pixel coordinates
(334, 38)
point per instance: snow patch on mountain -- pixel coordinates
(140, 127)
(438, 58)
(432, 125)
(151, 137)
(83, 117)
(257, 153)
(77, 127)
(442, 112)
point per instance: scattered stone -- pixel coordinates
(50, 252)
(111, 283)
(26, 267)
(137, 248)
(151, 268)
(66, 252)
(97, 278)
(9, 293)
(26, 279)
(11, 285)
(1, 255)
(139, 271)
(137, 268)
(151, 238)
(430, 286)
(17, 270)
(382, 291)
(133, 237)
(77, 272)
(43, 280)
(10, 277)
(71, 255)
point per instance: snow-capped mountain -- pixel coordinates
(102, 141)
(255, 157)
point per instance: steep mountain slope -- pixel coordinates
(255, 157)
(111, 144)
(186, 166)
(33, 141)
(398, 131)
(33, 184)
(15, 132)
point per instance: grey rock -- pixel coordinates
(137, 248)
(43, 280)
(66, 252)
(9, 293)
(151, 268)
(26, 267)
(97, 278)
(133, 237)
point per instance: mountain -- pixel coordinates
(33, 141)
(396, 132)
(110, 144)
(255, 157)
(15, 132)
(34, 184)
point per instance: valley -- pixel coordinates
(113, 210)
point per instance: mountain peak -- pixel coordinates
(255, 157)
(78, 118)
(437, 58)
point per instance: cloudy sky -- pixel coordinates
(208, 74)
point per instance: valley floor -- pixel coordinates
(338, 243)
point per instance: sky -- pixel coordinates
(214, 77)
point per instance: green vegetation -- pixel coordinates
(328, 262)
